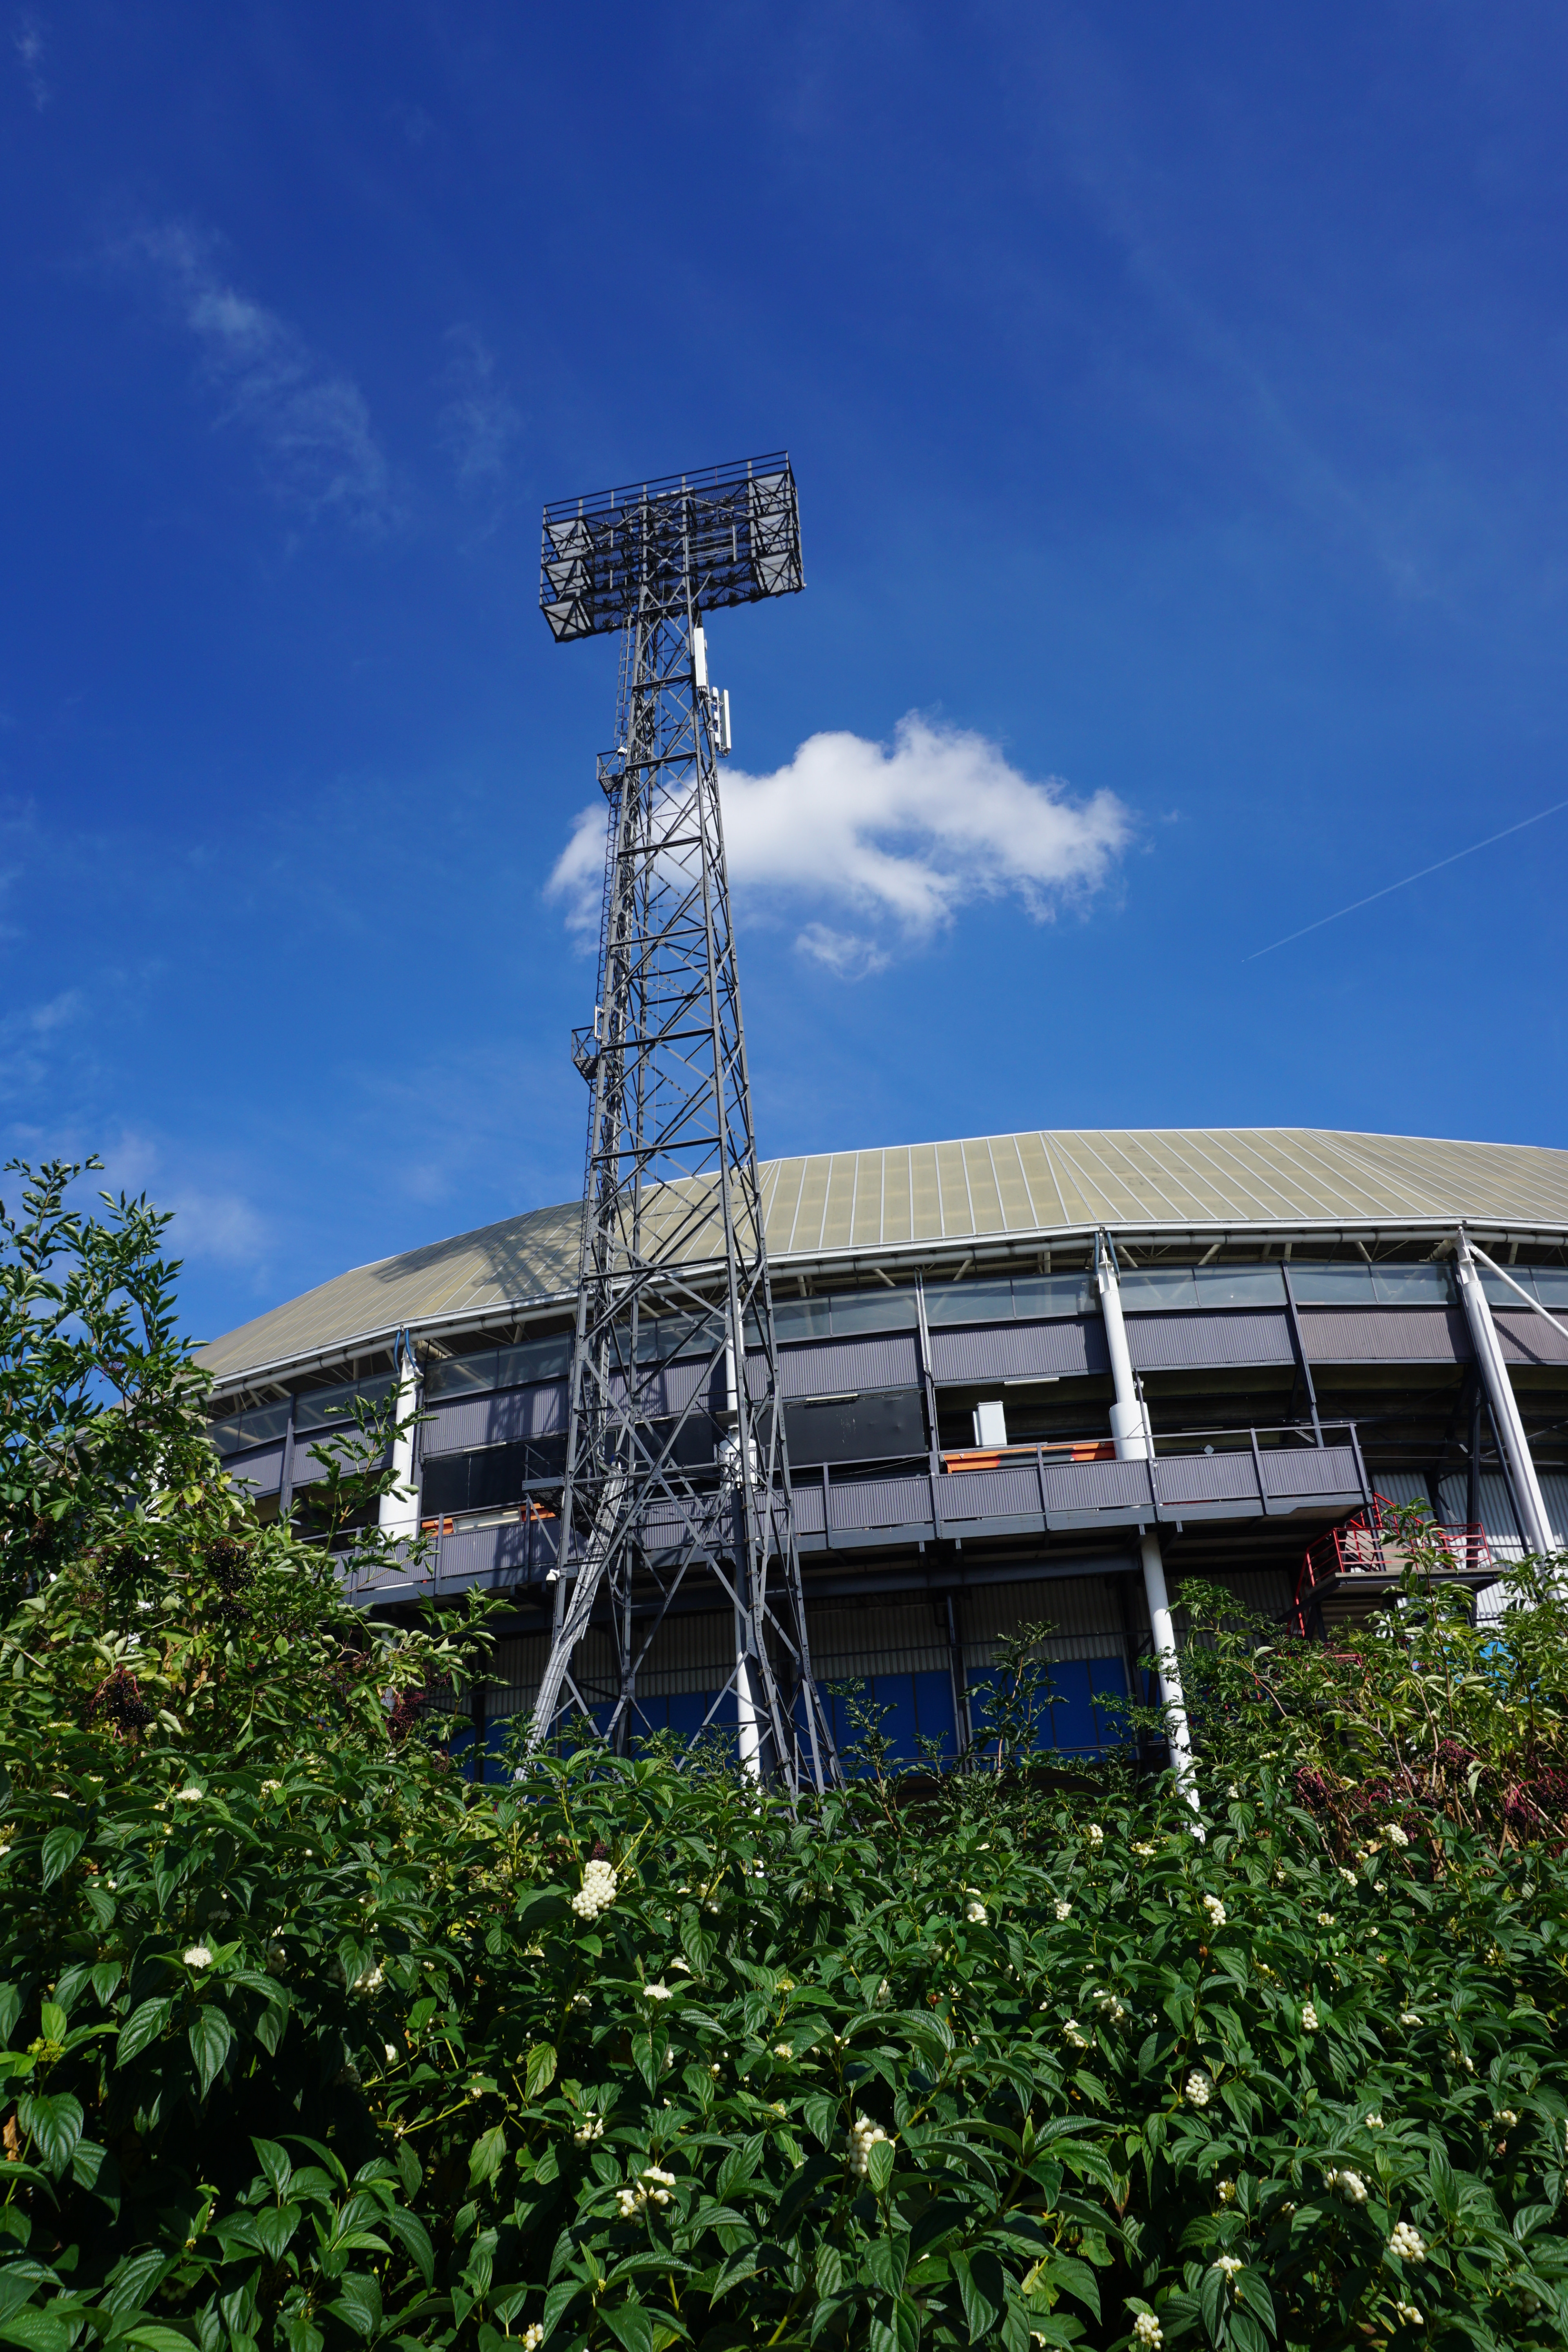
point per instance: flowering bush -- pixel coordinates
(334, 2052)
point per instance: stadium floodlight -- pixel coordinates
(677, 1468)
(698, 541)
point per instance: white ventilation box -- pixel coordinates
(991, 1424)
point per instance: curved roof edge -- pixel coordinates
(982, 1197)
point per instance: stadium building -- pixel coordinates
(969, 1333)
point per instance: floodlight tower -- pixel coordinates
(676, 1467)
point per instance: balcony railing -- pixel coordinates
(1197, 1475)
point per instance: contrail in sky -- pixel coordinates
(1405, 884)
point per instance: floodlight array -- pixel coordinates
(688, 543)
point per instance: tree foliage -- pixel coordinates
(311, 2043)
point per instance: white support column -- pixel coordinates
(397, 1514)
(1134, 1442)
(748, 1717)
(1528, 1501)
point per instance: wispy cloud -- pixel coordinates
(479, 422)
(896, 838)
(213, 1224)
(26, 1039)
(308, 419)
(27, 40)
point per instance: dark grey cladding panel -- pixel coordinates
(1175, 1341)
(1019, 1352)
(1530, 1339)
(494, 1420)
(835, 1367)
(1385, 1335)
(260, 1470)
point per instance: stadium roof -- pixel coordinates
(993, 1192)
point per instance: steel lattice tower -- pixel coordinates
(677, 1468)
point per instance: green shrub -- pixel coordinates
(312, 2045)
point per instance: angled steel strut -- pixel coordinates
(677, 1471)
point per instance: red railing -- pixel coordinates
(1368, 1544)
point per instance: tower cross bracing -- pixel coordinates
(677, 1467)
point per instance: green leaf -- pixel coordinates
(560, 2297)
(103, 1979)
(157, 2340)
(487, 2155)
(55, 2123)
(829, 2270)
(10, 2011)
(886, 2259)
(1077, 2279)
(211, 2037)
(415, 2239)
(879, 2165)
(54, 2021)
(275, 2164)
(359, 2306)
(40, 2331)
(540, 1910)
(630, 2325)
(983, 2291)
(144, 2025)
(822, 2113)
(61, 1848)
(541, 2068)
(134, 2281)
(274, 2229)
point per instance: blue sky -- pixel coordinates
(1176, 394)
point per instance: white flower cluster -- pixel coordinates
(1109, 2006)
(1325, 1918)
(1145, 1852)
(1348, 1877)
(783, 2050)
(632, 2200)
(1226, 2192)
(1215, 1909)
(369, 1980)
(1074, 2034)
(591, 2127)
(656, 1992)
(1096, 1835)
(188, 1796)
(1407, 2243)
(1349, 2184)
(1197, 2090)
(679, 1968)
(197, 1956)
(1507, 2117)
(1409, 2314)
(532, 2337)
(271, 1788)
(597, 1890)
(1148, 2331)
(1374, 2122)
(1408, 2017)
(862, 2140)
(1309, 2018)
(1395, 1836)
(1063, 1910)
(975, 1910)
(1229, 2264)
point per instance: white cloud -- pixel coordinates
(480, 421)
(897, 838)
(845, 953)
(217, 1224)
(27, 40)
(309, 420)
